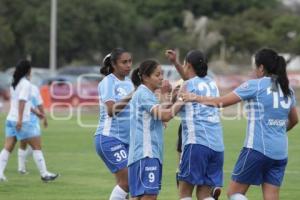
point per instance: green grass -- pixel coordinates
(69, 150)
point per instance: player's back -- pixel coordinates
(268, 111)
(201, 124)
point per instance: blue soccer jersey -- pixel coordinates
(146, 132)
(113, 89)
(201, 124)
(267, 113)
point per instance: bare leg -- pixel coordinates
(149, 197)
(9, 145)
(185, 189)
(203, 191)
(235, 187)
(270, 192)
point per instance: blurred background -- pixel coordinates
(229, 32)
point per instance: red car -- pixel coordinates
(73, 90)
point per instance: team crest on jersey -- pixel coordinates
(121, 92)
(244, 86)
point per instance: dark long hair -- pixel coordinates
(146, 68)
(23, 68)
(111, 59)
(275, 66)
(198, 61)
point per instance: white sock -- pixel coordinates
(21, 160)
(238, 196)
(186, 198)
(40, 162)
(118, 193)
(28, 151)
(4, 155)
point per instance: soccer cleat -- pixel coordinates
(23, 172)
(3, 178)
(49, 177)
(216, 192)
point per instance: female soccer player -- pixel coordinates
(112, 134)
(271, 113)
(201, 129)
(37, 112)
(146, 131)
(18, 126)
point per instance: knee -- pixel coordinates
(9, 147)
(124, 185)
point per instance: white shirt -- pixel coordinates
(21, 92)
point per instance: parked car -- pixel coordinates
(4, 86)
(91, 73)
(72, 90)
(37, 74)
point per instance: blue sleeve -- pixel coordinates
(247, 90)
(148, 102)
(106, 90)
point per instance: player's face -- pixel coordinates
(156, 78)
(123, 65)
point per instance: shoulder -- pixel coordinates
(251, 83)
(107, 80)
(34, 87)
(25, 83)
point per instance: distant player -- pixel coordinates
(146, 131)
(18, 125)
(271, 113)
(37, 113)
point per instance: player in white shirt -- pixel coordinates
(37, 113)
(18, 125)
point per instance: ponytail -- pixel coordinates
(110, 60)
(275, 67)
(136, 78)
(282, 76)
(107, 67)
(146, 68)
(198, 61)
(22, 69)
(201, 71)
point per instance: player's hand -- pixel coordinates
(175, 93)
(40, 115)
(19, 126)
(45, 122)
(188, 97)
(166, 87)
(171, 55)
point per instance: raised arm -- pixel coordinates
(172, 57)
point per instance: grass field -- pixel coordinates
(69, 150)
